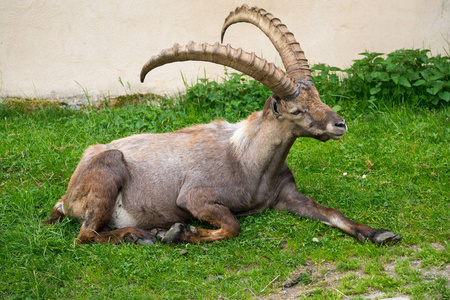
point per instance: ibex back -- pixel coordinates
(148, 186)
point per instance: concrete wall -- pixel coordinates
(60, 49)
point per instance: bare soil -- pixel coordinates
(312, 276)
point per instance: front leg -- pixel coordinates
(201, 204)
(292, 200)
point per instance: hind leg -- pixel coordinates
(91, 195)
(90, 232)
(106, 175)
(90, 228)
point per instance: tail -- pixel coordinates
(56, 215)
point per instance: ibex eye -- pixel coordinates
(296, 112)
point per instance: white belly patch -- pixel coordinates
(120, 217)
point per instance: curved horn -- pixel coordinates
(266, 73)
(292, 55)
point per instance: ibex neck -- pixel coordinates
(260, 144)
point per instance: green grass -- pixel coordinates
(402, 152)
(391, 171)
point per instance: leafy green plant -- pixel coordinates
(234, 98)
(327, 80)
(406, 75)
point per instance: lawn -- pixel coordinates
(391, 171)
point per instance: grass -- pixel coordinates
(390, 171)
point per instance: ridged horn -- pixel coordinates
(248, 63)
(291, 53)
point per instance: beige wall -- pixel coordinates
(58, 49)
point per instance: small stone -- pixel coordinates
(315, 240)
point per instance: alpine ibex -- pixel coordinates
(147, 186)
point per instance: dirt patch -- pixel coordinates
(312, 276)
(32, 104)
(437, 246)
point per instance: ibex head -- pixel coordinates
(295, 102)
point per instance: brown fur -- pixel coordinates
(143, 184)
(208, 172)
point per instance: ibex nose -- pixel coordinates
(340, 124)
(338, 130)
(336, 127)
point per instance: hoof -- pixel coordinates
(145, 239)
(174, 234)
(146, 242)
(159, 233)
(386, 237)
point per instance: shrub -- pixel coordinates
(404, 75)
(234, 98)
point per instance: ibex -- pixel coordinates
(148, 186)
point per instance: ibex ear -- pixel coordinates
(275, 109)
